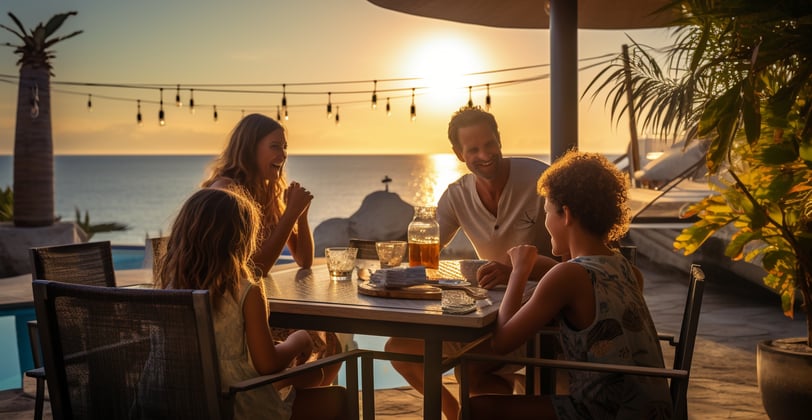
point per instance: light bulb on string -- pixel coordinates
(192, 101)
(89, 103)
(215, 112)
(488, 97)
(470, 101)
(374, 94)
(413, 109)
(388, 108)
(284, 102)
(161, 119)
(278, 114)
(178, 103)
(138, 118)
(35, 102)
(329, 105)
(337, 117)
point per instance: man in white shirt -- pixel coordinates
(497, 207)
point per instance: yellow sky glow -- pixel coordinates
(306, 41)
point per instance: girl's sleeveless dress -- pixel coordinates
(236, 365)
(622, 333)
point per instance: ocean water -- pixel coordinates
(145, 192)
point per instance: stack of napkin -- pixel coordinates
(399, 277)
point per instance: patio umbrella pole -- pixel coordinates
(563, 76)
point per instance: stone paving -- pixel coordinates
(723, 385)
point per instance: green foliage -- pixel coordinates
(34, 49)
(740, 76)
(92, 229)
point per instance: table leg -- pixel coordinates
(432, 378)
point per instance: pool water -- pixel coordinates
(130, 257)
(127, 257)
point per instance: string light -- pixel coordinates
(329, 105)
(374, 94)
(215, 112)
(284, 102)
(35, 102)
(161, 119)
(388, 108)
(278, 114)
(89, 103)
(240, 88)
(337, 118)
(412, 109)
(178, 103)
(470, 101)
(138, 118)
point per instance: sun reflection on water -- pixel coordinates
(430, 178)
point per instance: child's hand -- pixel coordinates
(523, 255)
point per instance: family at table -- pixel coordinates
(532, 222)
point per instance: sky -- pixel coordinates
(313, 47)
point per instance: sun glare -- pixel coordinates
(442, 63)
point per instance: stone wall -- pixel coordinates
(15, 242)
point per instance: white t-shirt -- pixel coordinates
(519, 216)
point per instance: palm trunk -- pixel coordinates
(33, 151)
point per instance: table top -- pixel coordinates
(307, 291)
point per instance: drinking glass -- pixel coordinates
(340, 262)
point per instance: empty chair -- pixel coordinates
(158, 246)
(88, 263)
(679, 374)
(84, 263)
(144, 353)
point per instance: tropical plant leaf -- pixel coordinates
(751, 115)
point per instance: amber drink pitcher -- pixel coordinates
(424, 238)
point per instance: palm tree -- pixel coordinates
(33, 140)
(739, 75)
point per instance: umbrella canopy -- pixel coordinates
(563, 18)
(529, 14)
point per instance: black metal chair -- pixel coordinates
(145, 351)
(158, 245)
(88, 263)
(679, 374)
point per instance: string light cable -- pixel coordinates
(272, 89)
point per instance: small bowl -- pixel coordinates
(469, 268)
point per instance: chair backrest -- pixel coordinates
(366, 249)
(83, 263)
(128, 353)
(684, 350)
(158, 245)
(630, 252)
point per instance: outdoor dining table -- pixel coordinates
(308, 299)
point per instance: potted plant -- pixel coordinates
(740, 76)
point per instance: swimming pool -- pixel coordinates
(129, 257)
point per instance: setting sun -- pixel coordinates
(442, 62)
